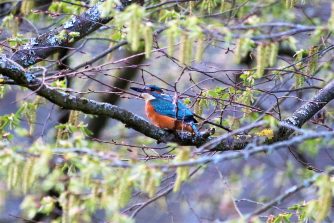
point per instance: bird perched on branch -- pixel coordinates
(166, 113)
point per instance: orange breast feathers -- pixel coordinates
(165, 122)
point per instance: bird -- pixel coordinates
(164, 112)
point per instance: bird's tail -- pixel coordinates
(195, 129)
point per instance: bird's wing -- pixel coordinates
(165, 106)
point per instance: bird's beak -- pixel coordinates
(137, 89)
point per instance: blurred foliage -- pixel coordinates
(88, 176)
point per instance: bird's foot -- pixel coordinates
(184, 135)
(205, 134)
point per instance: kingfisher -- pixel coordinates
(166, 113)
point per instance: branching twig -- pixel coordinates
(287, 193)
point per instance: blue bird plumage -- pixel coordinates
(164, 105)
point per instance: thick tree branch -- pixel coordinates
(306, 111)
(297, 119)
(48, 43)
(67, 101)
(17, 73)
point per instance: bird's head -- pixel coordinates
(149, 92)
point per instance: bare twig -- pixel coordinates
(287, 193)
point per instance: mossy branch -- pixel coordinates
(14, 71)
(48, 43)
